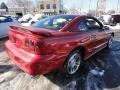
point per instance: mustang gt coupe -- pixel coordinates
(61, 41)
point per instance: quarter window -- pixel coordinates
(89, 24)
(92, 24)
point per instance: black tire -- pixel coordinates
(66, 68)
(109, 44)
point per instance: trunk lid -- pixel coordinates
(29, 39)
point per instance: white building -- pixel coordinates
(50, 7)
(46, 7)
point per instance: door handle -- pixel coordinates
(85, 39)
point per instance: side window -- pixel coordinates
(92, 24)
(82, 26)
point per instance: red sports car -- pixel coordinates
(57, 41)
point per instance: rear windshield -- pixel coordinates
(54, 22)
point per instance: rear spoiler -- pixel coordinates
(40, 31)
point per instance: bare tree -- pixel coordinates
(4, 6)
(23, 3)
(26, 4)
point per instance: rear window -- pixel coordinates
(54, 22)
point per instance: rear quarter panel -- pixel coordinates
(62, 45)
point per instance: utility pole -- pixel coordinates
(81, 6)
(89, 4)
(96, 9)
(118, 5)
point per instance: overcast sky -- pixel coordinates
(110, 4)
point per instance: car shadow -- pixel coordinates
(2, 41)
(112, 66)
(106, 60)
(9, 67)
(5, 68)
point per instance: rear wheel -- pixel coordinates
(73, 63)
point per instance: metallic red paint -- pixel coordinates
(55, 46)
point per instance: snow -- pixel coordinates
(114, 28)
(117, 27)
(34, 19)
(97, 71)
(2, 18)
(106, 18)
(25, 17)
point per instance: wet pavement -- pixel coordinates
(101, 72)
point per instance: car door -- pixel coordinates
(4, 25)
(95, 28)
(89, 39)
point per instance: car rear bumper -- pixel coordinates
(33, 64)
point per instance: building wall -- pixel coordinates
(38, 9)
(52, 10)
(14, 10)
(3, 12)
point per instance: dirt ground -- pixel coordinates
(102, 72)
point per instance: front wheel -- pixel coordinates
(73, 63)
(110, 42)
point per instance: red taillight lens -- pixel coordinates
(37, 47)
(32, 45)
(26, 43)
(13, 39)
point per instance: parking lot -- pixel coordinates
(102, 72)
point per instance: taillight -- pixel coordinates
(37, 47)
(33, 45)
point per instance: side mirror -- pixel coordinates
(106, 28)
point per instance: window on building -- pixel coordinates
(41, 6)
(54, 6)
(48, 6)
